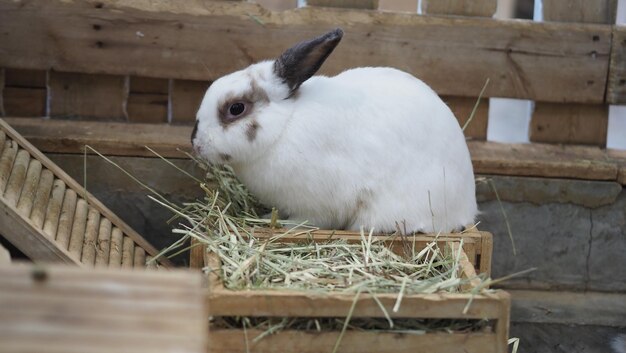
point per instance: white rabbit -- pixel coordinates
(370, 147)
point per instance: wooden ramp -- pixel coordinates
(52, 308)
(51, 217)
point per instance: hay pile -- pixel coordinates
(226, 222)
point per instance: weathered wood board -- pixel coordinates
(66, 309)
(576, 162)
(616, 89)
(30, 183)
(524, 59)
(588, 11)
(479, 8)
(570, 123)
(24, 92)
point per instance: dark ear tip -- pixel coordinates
(335, 34)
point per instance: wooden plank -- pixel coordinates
(585, 124)
(345, 4)
(148, 100)
(576, 162)
(587, 11)
(25, 92)
(72, 184)
(42, 196)
(90, 243)
(478, 8)
(278, 303)
(278, 5)
(398, 5)
(29, 192)
(5, 256)
(616, 89)
(619, 156)
(108, 138)
(462, 108)
(542, 160)
(186, 98)
(64, 309)
(524, 59)
(558, 307)
(95, 96)
(20, 232)
(231, 341)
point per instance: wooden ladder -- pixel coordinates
(50, 217)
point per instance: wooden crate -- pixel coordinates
(476, 254)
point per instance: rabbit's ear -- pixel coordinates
(298, 63)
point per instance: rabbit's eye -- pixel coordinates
(237, 109)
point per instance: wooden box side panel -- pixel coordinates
(227, 341)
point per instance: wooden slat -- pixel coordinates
(90, 243)
(619, 156)
(232, 341)
(100, 97)
(186, 98)
(27, 196)
(20, 232)
(481, 8)
(42, 196)
(524, 59)
(570, 123)
(307, 304)
(588, 11)
(462, 108)
(616, 89)
(398, 5)
(346, 4)
(558, 307)
(278, 5)
(64, 309)
(576, 162)
(73, 185)
(573, 123)
(148, 100)
(2, 113)
(25, 92)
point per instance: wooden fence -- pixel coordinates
(140, 61)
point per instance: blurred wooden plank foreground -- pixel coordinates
(66, 309)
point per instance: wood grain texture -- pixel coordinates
(94, 96)
(27, 196)
(346, 4)
(398, 5)
(103, 247)
(278, 5)
(308, 304)
(53, 209)
(186, 98)
(90, 243)
(77, 236)
(478, 8)
(42, 195)
(539, 160)
(73, 185)
(587, 11)
(17, 178)
(616, 89)
(232, 341)
(572, 308)
(619, 157)
(30, 240)
(66, 219)
(584, 124)
(577, 162)
(542, 160)
(25, 92)
(71, 310)
(6, 163)
(148, 100)
(462, 108)
(524, 59)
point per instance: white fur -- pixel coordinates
(364, 148)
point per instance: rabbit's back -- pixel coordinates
(371, 147)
